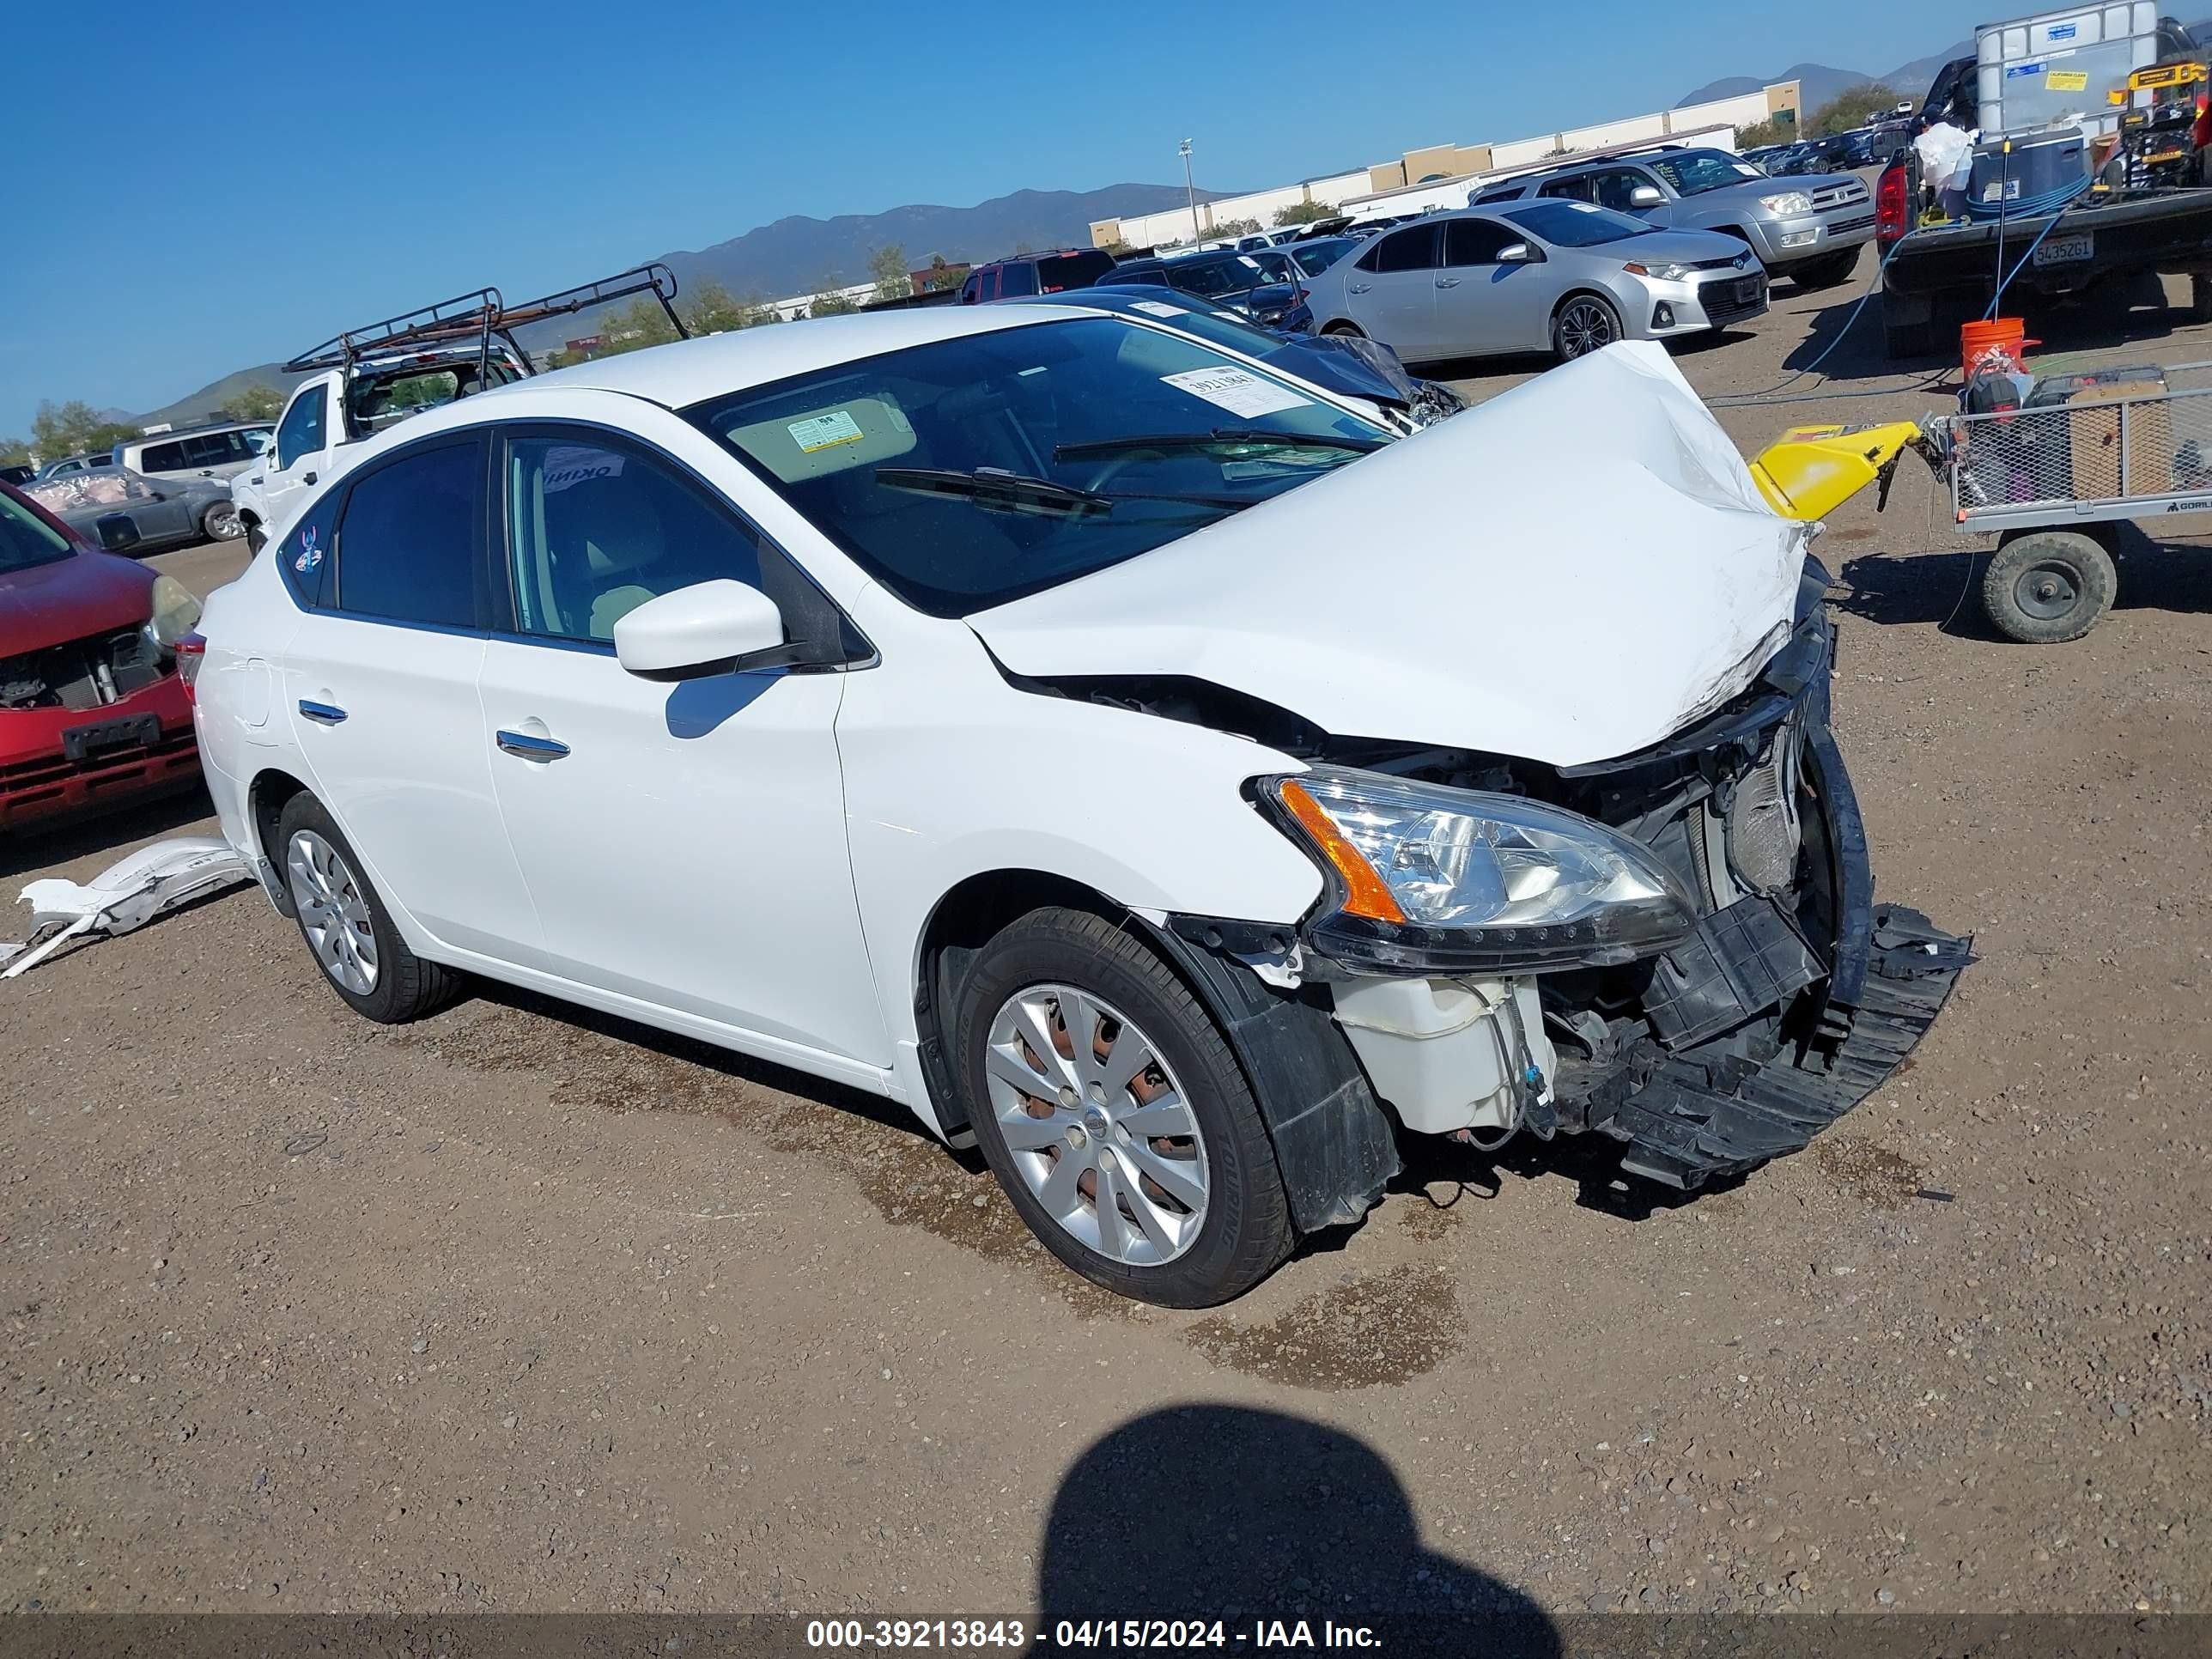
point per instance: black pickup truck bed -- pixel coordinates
(1952, 267)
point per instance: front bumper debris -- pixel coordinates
(1692, 1120)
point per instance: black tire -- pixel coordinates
(2048, 586)
(220, 523)
(1352, 329)
(1571, 337)
(256, 539)
(1908, 337)
(1246, 1231)
(1826, 271)
(2200, 299)
(404, 987)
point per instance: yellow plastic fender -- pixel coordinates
(1811, 470)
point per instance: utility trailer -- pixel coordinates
(2053, 479)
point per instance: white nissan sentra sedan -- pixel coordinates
(1141, 763)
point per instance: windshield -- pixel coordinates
(1694, 172)
(1575, 224)
(27, 539)
(982, 437)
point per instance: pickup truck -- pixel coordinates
(366, 379)
(1936, 274)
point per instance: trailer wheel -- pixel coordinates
(2048, 586)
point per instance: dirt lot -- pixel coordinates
(519, 1309)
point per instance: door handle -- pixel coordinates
(323, 713)
(522, 744)
(1357, 288)
(1447, 282)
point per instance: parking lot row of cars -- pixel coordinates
(1654, 245)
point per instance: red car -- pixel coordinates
(93, 709)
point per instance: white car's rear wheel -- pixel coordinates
(347, 929)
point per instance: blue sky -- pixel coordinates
(198, 188)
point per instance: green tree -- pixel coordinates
(256, 402)
(887, 266)
(830, 303)
(633, 327)
(1235, 227)
(15, 451)
(1304, 213)
(1780, 128)
(713, 309)
(1854, 108)
(73, 428)
(939, 276)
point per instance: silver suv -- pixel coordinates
(206, 452)
(1809, 229)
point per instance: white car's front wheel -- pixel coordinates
(1109, 1107)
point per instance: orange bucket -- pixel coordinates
(2004, 334)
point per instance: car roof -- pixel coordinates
(688, 371)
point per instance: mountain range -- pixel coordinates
(1820, 84)
(801, 255)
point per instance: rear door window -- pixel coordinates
(1414, 248)
(1577, 189)
(1015, 280)
(408, 545)
(163, 458)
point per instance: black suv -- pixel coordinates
(1053, 272)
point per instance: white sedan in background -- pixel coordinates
(1566, 277)
(1129, 756)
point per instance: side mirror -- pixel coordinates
(709, 628)
(1519, 253)
(118, 533)
(1645, 196)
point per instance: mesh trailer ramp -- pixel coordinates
(2055, 478)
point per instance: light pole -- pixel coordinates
(1188, 189)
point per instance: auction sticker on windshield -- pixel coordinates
(1236, 391)
(1154, 308)
(825, 431)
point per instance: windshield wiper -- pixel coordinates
(1220, 437)
(996, 490)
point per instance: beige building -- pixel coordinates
(1444, 165)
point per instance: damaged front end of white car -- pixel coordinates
(1555, 682)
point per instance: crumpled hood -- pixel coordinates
(1569, 572)
(67, 599)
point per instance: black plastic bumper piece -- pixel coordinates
(1693, 1121)
(1333, 1142)
(1741, 961)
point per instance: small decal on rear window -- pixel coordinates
(824, 431)
(1154, 307)
(311, 553)
(1236, 391)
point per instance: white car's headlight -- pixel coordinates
(176, 612)
(1667, 273)
(1790, 201)
(1428, 878)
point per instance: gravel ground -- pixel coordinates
(521, 1308)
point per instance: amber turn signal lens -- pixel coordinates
(1366, 894)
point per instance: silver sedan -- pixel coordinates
(1562, 277)
(123, 511)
